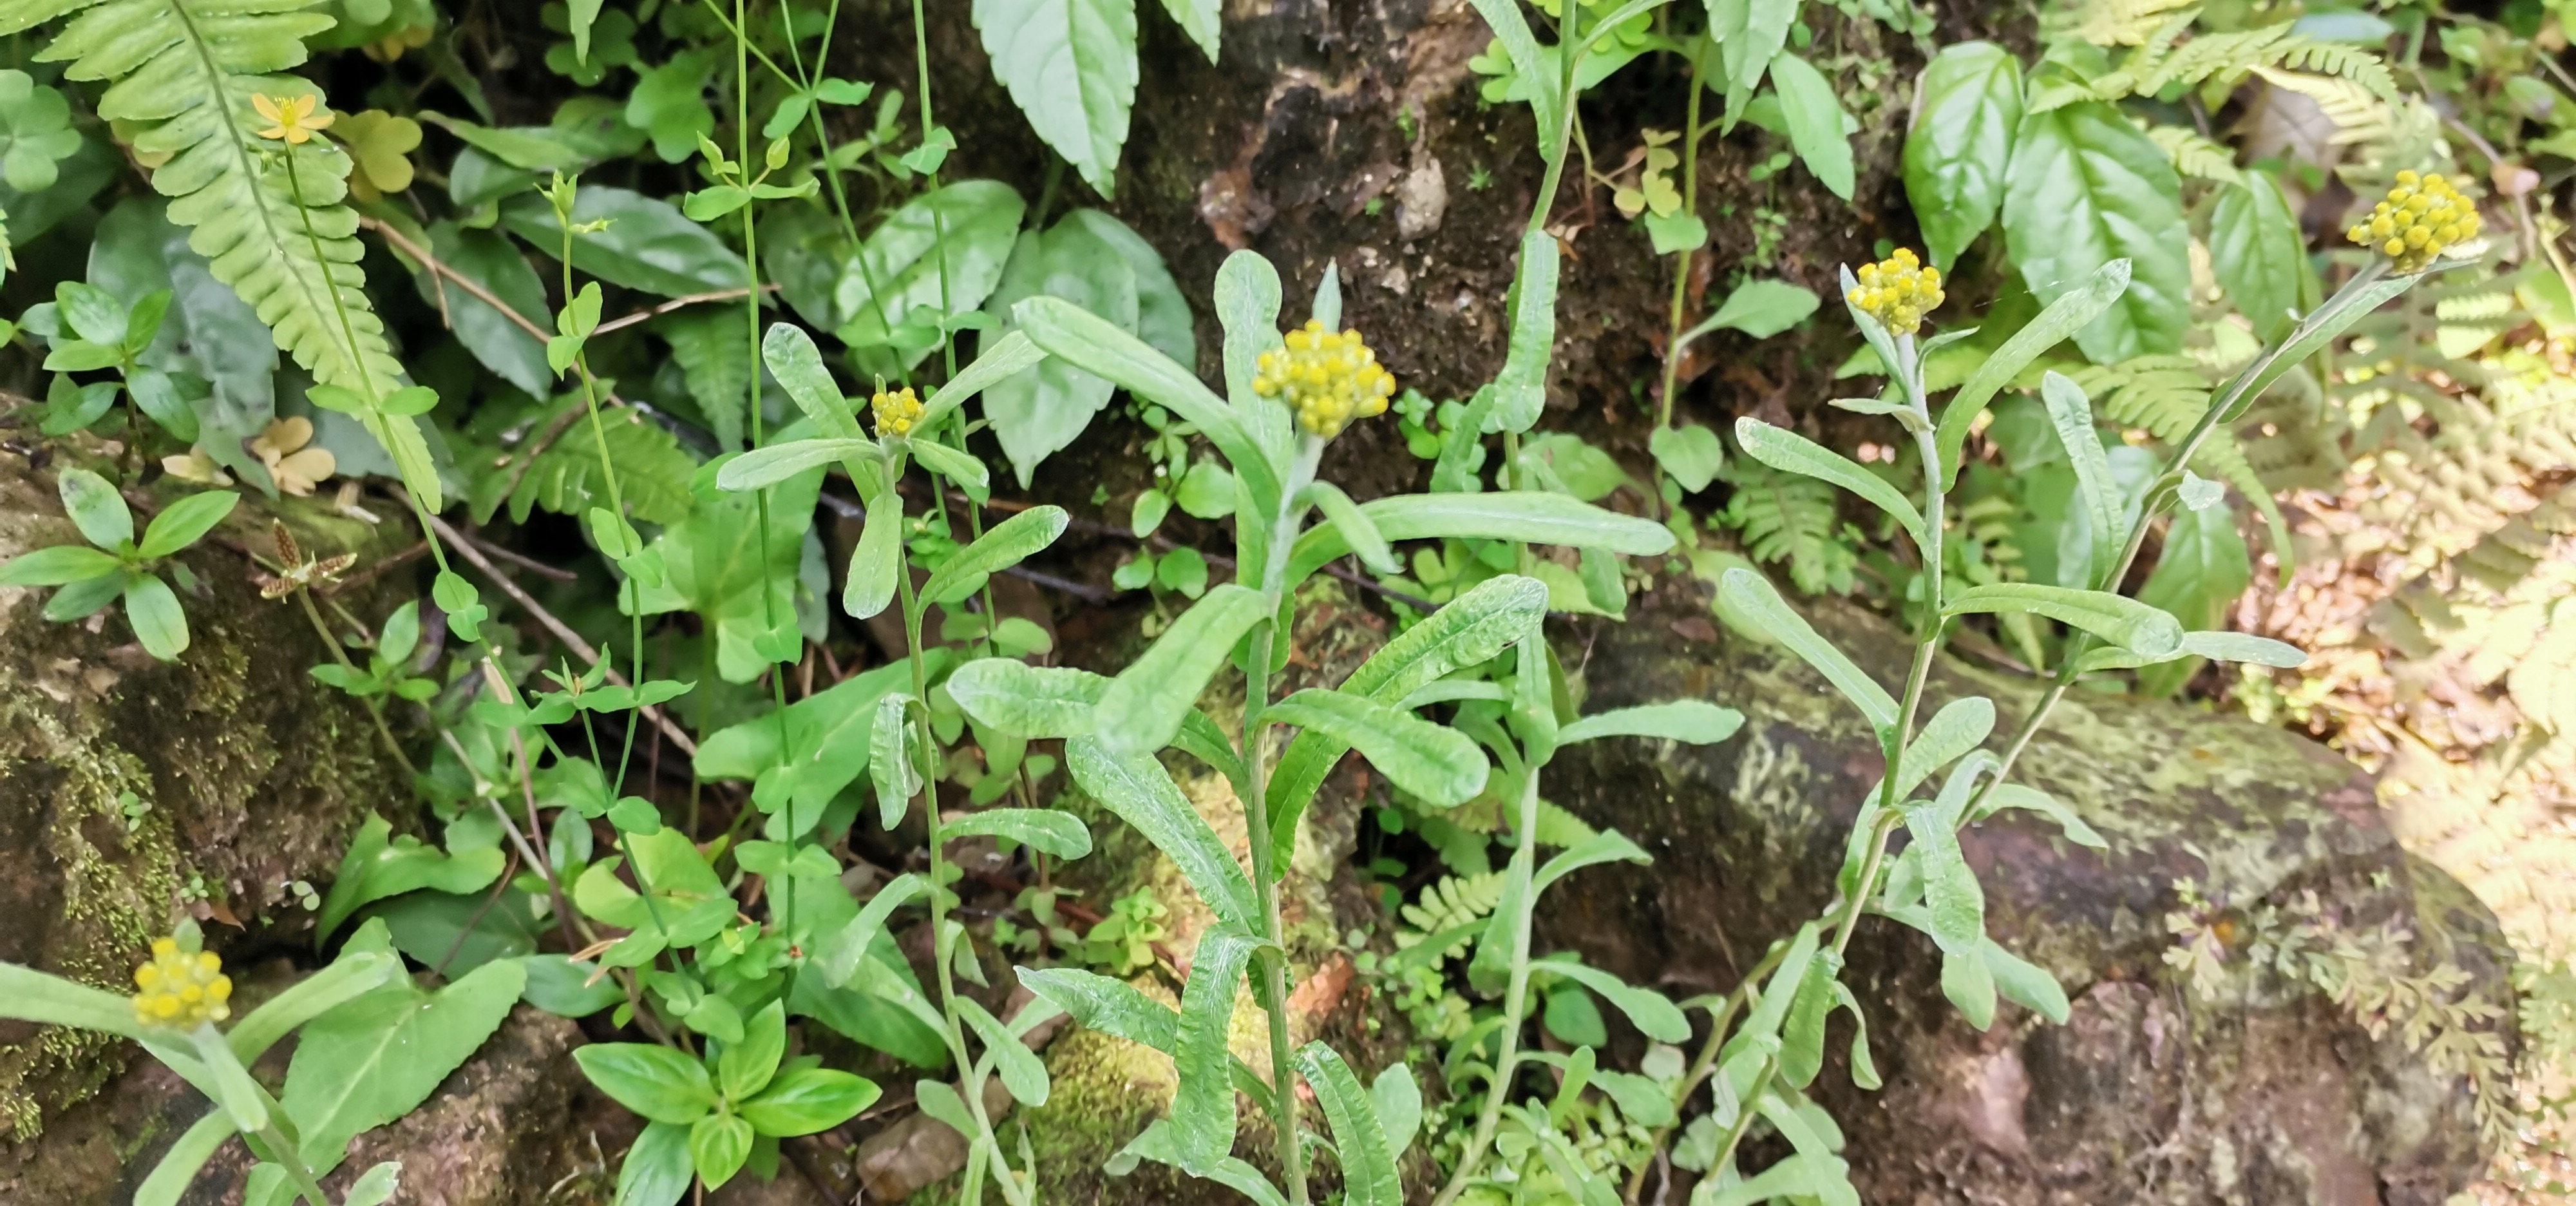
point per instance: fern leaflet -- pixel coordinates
(269, 216)
(1789, 517)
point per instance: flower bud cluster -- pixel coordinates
(1898, 291)
(2422, 217)
(1327, 377)
(180, 989)
(896, 412)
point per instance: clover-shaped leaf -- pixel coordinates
(35, 132)
(381, 143)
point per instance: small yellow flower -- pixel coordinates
(180, 989)
(297, 468)
(296, 117)
(896, 412)
(1897, 291)
(2422, 218)
(1327, 377)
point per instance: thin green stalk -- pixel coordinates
(1271, 989)
(1682, 260)
(374, 712)
(1515, 995)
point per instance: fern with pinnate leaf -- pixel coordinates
(2169, 54)
(1449, 906)
(268, 215)
(1790, 517)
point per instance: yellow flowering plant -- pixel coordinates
(2421, 218)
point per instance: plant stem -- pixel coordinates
(1515, 996)
(341, 656)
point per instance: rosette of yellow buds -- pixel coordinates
(1897, 291)
(1326, 377)
(896, 412)
(181, 989)
(2422, 218)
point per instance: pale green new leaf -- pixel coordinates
(1012, 697)
(1071, 67)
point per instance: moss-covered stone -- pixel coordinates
(134, 792)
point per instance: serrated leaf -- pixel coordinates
(2086, 188)
(1959, 140)
(1815, 118)
(1070, 65)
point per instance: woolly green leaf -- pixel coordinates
(2122, 621)
(1440, 765)
(1141, 793)
(1787, 450)
(2072, 310)
(1753, 598)
(1056, 833)
(1696, 721)
(1520, 390)
(1143, 707)
(1359, 1138)
(1002, 546)
(1023, 1073)
(2071, 413)
(1203, 1117)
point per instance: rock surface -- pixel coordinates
(133, 792)
(2150, 1094)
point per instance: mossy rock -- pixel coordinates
(2266, 1092)
(244, 775)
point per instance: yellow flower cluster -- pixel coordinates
(181, 990)
(1898, 291)
(1328, 378)
(896, 412)
(2422, 217)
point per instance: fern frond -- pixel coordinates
(2197, 157)
(2360, 113)
(1453, 902)
(1789, 517)
(2127, 22)
(269, 216)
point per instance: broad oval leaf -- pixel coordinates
(1070, 65)
(660, 1083)
(1966, 105)
(943, 250)
(808, 1100)
(2085, 188)
(2258, 253)
(186, 520)
(1815, 118)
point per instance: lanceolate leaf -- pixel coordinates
(1056, 833)
(877, 559)
(1966, 106)
(1693, 720)
(1650, 1011)
(1787, 450)
(1143, 707)
(1960, 726)
(2122, 621)
(1435, 762)
(2063, 317)
(1534, 516)
(1013, 697)
(1950, 889)
(1203, 1117)
(1359, 1139)
(1071, 66)
(1469, 631)
(2086, 188)
(1141, 793)
(2071, 413)
(1097, 346)
(1753, 597)
(1520, 390)
(1002, 546)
